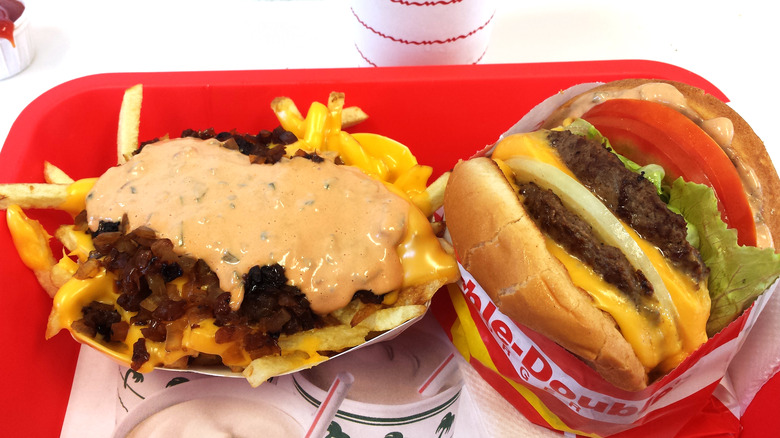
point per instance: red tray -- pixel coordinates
(441, 113)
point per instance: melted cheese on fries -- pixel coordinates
(414, 253)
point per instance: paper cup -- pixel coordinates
(133, 388)
(215, 406)
(433, 416)
(15, 58)
(385, 397)
(421, 32)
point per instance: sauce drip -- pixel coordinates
(10, 11)
(334, 229)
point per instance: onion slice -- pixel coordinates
(610, 230)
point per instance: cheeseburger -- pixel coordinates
(633, 226)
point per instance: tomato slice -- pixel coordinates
(650, 132)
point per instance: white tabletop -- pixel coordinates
(728, 43)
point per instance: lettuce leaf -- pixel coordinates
(738, 274)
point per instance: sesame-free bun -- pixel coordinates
(746, 145)
(501, 246)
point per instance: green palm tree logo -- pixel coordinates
(136, 377)
(334, 431)
(176, 381)
(445, 424)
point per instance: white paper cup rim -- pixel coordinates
(16, 59)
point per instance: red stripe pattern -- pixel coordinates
(437, 3)
(422, 32)
(423, 42)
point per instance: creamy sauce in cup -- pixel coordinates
(215, 417)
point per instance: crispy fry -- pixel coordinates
(392, 317)
(33, 195)
(288, 115)
(63, 271)
(336, 101)
(302, 350)
(266, 367)
(129, 123)
(292, 120)
(54, 175)
(351, 116)
(334, 338)
(333, 125)
(347, 313)
(76, 242)
(432, 198)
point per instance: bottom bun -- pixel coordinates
(507, 254)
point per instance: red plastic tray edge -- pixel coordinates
(18, 398)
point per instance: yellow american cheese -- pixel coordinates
(77, 192)
(30, 239)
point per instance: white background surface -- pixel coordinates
(732, 44)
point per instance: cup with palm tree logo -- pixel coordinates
(409, 386)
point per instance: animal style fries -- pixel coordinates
(81, 282)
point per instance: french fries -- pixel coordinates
(288, 115)
(351, 116)
(77, 243)
(33, 195)
(320, 131)
(432, 198)
(305, 347)
(54, 175)
(129, 123)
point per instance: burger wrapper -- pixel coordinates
(554, 389)
(706, 394)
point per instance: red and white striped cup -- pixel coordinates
(422, 32)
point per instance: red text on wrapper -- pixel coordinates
(529, 364)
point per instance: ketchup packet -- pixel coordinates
(705, 395)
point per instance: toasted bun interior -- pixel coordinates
(507, 254)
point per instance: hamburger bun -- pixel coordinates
(506, 252)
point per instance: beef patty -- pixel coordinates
(630, 197)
